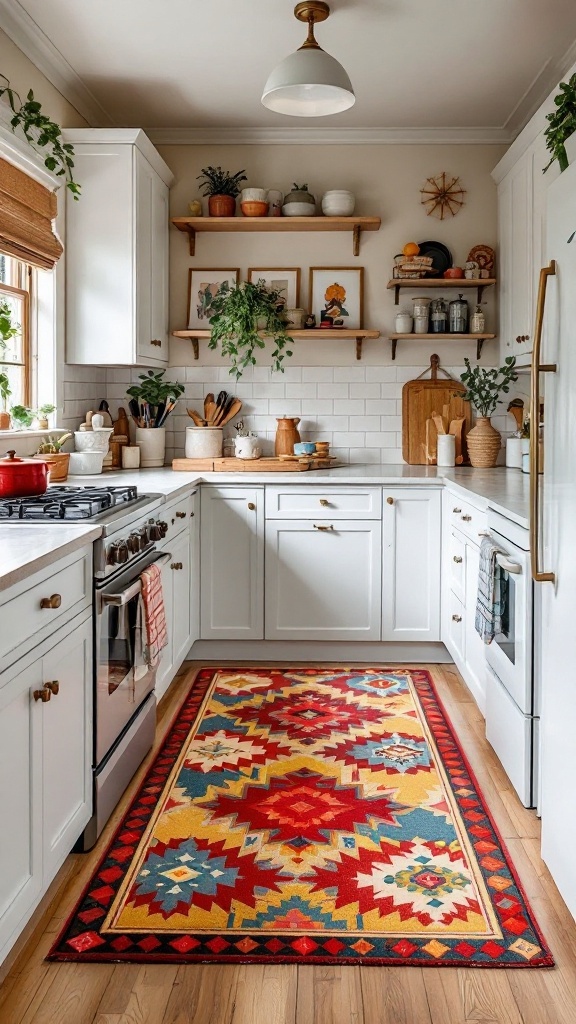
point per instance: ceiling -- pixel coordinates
(483, 65)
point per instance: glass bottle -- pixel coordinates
(458, 314)
(439, 316)
(477, 321)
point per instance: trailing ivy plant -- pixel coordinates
(484, 386)
(237, 314)
(562, 123)
(42, 133)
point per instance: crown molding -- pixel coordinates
(541, 90)
(28, 37)
(328, 136)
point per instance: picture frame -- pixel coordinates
(275, 277)
(336, 296)
(201, 284)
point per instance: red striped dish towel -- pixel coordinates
(154, 614)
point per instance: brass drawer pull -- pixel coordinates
(51, 602)
(390, 501)
(456, 511)
(467, 519)
(457, 558)
(54, 687)
(176, 565)
(456, 618)
(156, 342)
(324, 502)
(251, 506)
(44, 694)
(180, 515)
(323, 529)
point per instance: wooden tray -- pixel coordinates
(250, 465)
(420, 398)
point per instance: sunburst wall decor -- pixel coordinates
(442, 195)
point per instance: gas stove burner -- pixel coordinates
(68, 504)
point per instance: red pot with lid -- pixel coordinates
(21, 478)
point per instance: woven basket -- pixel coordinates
(57, 465)
(483, 443)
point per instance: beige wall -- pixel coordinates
(23, 75)
(387, 182)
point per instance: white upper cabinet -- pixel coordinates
(117, 251)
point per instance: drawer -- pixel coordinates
(299, 502)
(456, 565)
(456, 627)
(470, 520)
(26, 616)
(177, 516)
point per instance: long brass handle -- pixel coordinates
(323, 529)
(537, 574)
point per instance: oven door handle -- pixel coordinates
(509, 566)
(122, 598)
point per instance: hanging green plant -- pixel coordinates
(42, 134)
(243, 317)
(562, 123)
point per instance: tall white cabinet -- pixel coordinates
(117, 250)
(411, 564)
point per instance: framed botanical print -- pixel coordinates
(336, 296)
(284, 280)
(203, 287)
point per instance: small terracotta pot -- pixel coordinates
(4, 421)
(483, 443)
(58, 463)
(221, 206)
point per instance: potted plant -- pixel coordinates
(240, 314)
(42, 415)
(5, 392)
(22, 416)
(221, 187)
(58, 461)
(483, 389)
(562, 124)
(151, 402)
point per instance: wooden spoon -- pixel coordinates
(233, 411)
(208, 399)
(196, 417)
(210, 412)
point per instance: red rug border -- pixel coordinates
(53, 956)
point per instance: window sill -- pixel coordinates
(21, 435)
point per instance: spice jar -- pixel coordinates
(458, 315)
(404, 321)
(439, 316)
(477, 321)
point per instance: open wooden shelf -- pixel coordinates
(313, 332)
(191, 225)
(419, 283)
(478, 338)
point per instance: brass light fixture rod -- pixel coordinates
(312, 11)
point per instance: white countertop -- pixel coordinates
(25, 550)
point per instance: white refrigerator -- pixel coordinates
(553, 534)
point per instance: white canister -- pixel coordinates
(514, 453)
(446, 450)
(152, 444)
(130, 456)
(421, 324)
(204, 442)
(404, 322)
(247, 447)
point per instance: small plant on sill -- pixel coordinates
(22, 416)
(216, 182)
(42, 134)
(562, 123)
(238, 312)
(54, 444)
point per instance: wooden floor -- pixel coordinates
(34, 992)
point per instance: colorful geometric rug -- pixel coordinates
(317, 816)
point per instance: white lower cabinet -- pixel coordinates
(180, 587)
(45, 768)
(411, 564)
(323, 580)
(232, 563)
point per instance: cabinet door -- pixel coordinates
(232, 563)
(323, 580)
(411, 565)
(516, 227)
(20, 800)
(179, 566)
(66, 746)
(150, 294)
(164, 670)
(474, 646)
(160, 268)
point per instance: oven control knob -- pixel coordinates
(134, 543)
(144, 532)
(163, 527)
(155, 531)
(122, 553)
(112, 554)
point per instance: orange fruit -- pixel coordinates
(411, 249)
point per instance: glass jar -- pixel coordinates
(439, 316)
(477, 321)
(458, 315)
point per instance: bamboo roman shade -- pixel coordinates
(27, 210)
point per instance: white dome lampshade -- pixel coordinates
(309, 83)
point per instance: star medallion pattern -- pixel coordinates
(321, 815)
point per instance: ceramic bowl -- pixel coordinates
(338, 203)
(299, 210)
(304, 448)
(86, 463)
(254, 208)
(92, 440)
(255, 195)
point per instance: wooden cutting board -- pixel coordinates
(422, 397)
(250, 465)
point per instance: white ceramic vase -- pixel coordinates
(338, 203)
(152, 444)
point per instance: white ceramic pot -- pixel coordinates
(253, 195)
(203, 442)
(152, 444)
(85, 463)
(247, 447)
(295, 318)
(446, 450)
(92, 440)
(514, 453)
(130, 456)
(299, 210)
(338, 203)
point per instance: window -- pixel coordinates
(16, 358)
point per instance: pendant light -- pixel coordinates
(309, 83)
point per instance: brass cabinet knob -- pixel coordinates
(456, 618)
(466, 519)
(457, 558)
(251, 506)
(176, 565)
(51, 602)
(180, 515)
(456, 511)
(324, 502)
(44, 694)
(322, 528)
(156, 342)
(390, 501)
(53, 686)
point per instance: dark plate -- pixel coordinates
(441, 256)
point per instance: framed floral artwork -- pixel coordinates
(336, 296)
(285, 280)
(203, 287)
